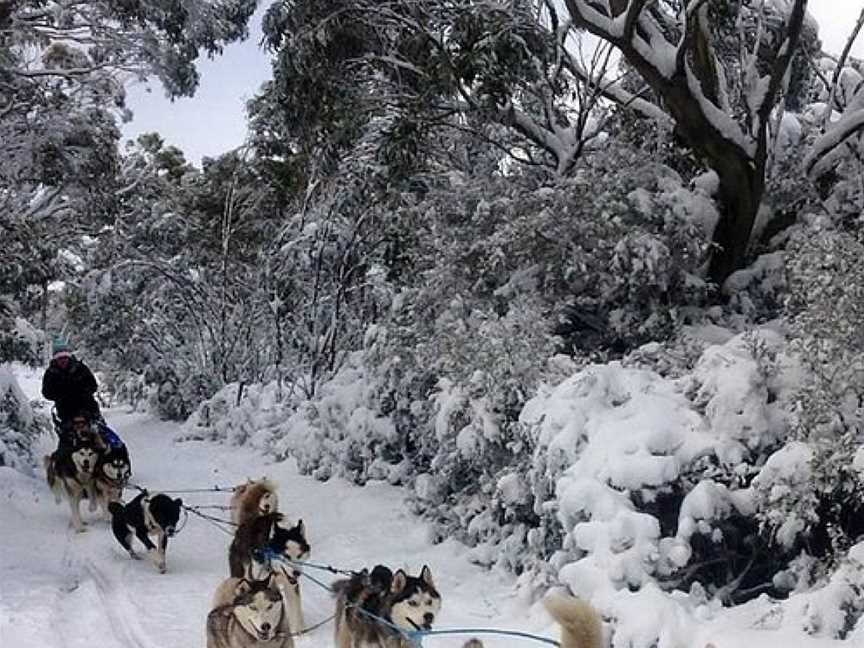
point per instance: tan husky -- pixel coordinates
(254, 498)
(581, 626)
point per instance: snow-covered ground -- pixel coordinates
(63, 589)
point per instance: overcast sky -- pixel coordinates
(214, 120)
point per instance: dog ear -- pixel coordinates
(273, 579)
(301, 528)
(242, 587)
(426, 575)
(400, 580)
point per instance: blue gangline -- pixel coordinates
(414, 636)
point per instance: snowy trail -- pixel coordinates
(60, 589)
(63, 589)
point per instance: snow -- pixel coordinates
(17, 419)
(826, 151)
(720, 120)
(606, 431)
(789, 135)
(787, 471)
(67, 589)
(595, 405)
(728, 379)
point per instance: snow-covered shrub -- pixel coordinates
(611, 255)
(654, 478)
(821, 505)
(834, 606)
(125, 387)
(506, 271)
(19, 340)
(238, 415)
(759, 291)
(172, 396)
(344, 431)
(19, 426)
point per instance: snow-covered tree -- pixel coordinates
(724, 108)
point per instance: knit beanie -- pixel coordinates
(60, 347)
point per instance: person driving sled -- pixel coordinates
(72, 386)
(69, 383)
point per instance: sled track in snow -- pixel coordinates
(120, 610)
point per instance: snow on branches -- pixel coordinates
(673, 48)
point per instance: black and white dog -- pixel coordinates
(146, 515)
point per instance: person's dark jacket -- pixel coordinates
(72, 389)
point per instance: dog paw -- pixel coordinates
(162, 567)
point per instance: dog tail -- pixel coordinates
(580, 624)
(115, 508)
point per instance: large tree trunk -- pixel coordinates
(740, 194)
(741, 173)
(734, 146)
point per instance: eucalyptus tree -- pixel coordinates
(63, 66)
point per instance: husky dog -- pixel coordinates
(262, 538)
(254, 617)
(407, 602)
(255, 551)
(252, 499)
(146, 515)
(111, 476)
(69, 472)
(580, 624)
(287, 585)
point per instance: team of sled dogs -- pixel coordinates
(259, 604)
(88, 468)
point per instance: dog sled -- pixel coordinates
(94, 428)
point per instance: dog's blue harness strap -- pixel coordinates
(318, 582)
(415, 637)
(329, 568)
(507, 633)
(110, 436)
(265, 554)
(270, 555)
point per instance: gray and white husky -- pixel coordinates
(111, 476)
(265, 545)
(366, 599)
(256, 617)
(69, 473)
